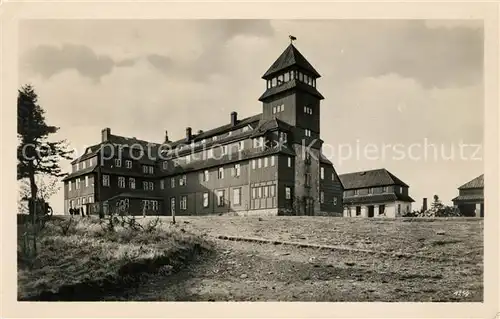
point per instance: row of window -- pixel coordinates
(308, 110)
(263, 191)
(146, 169)
(77, 183)
(83, 164)
(278, 108)
(291, 75)
(384, 190)
(263, 162)
(81, 201)
(220, 199)
(322, 198)
(131, 183)
(322, 174)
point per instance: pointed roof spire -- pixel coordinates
(290, 57)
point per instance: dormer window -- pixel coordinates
(301, 76)
(280, 79)
(273, 82)
(287, 77)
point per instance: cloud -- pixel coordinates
(161, 62)
(48, 61)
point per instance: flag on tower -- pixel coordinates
(292, 38)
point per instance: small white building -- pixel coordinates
(375, 193)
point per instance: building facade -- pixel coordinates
(375, 193)
(267, 164)
(470, 199)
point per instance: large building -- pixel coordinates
(269, 163)
(470, 199)
(375, 193)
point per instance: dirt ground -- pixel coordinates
(242, 271)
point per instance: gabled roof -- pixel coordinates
(219, 130)
(376, 177)
(477, 182)
(472, 197)
(290, 57)
(270, 125)
(292, 84)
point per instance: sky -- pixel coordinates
(405, 95)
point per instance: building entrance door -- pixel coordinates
(371, 211)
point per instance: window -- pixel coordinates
(83, 164)
(334, 200)
(182, 180)
(205, 175)
(154, 203)
(283, 137)
(240, 146)
(121, 182)
(84, 200)
(289, 162)
(237, 170)
(145, 169)
(237, 196)
(131, 183)
(288, 193)
(266, 161)
(333, 176)
(151, 185)
(224, 150)
(118, 162)
(384, 189)
(322, 173)
(272, 190)
(188, 159)
(253, 163)
(308, 110)
(183, 202)
(254, 193)
(356, 192)
(272, 160)
(128, 164)
(245, 129)
(78, 202)
(210, 153)
(69, 185)
(221, 173)
(259, 192)
(381, 209)
(322, 197)
(105, 180)
(358, 210)
(307, 132)
(203, 141)
(205, 200)
(287, 77)
(265, 192)
(259, 163)
(172, 182)
(90, 199)
(145, 185)
(273, 82)
(162, 184)
(77, 183)
(370, 190)
(214, 138)
(151, 169)
(301, 76)
(282, 107)
(220, 198)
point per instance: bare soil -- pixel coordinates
(242, 271)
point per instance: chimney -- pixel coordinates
(166, 137)
(188, 133)
(105, 134)
(424, 205)
(234, 118)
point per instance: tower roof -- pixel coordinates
(290, 57)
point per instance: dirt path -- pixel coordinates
(241, 271)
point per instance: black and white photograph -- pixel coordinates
(251, 160)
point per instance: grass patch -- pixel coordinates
(79, 260)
